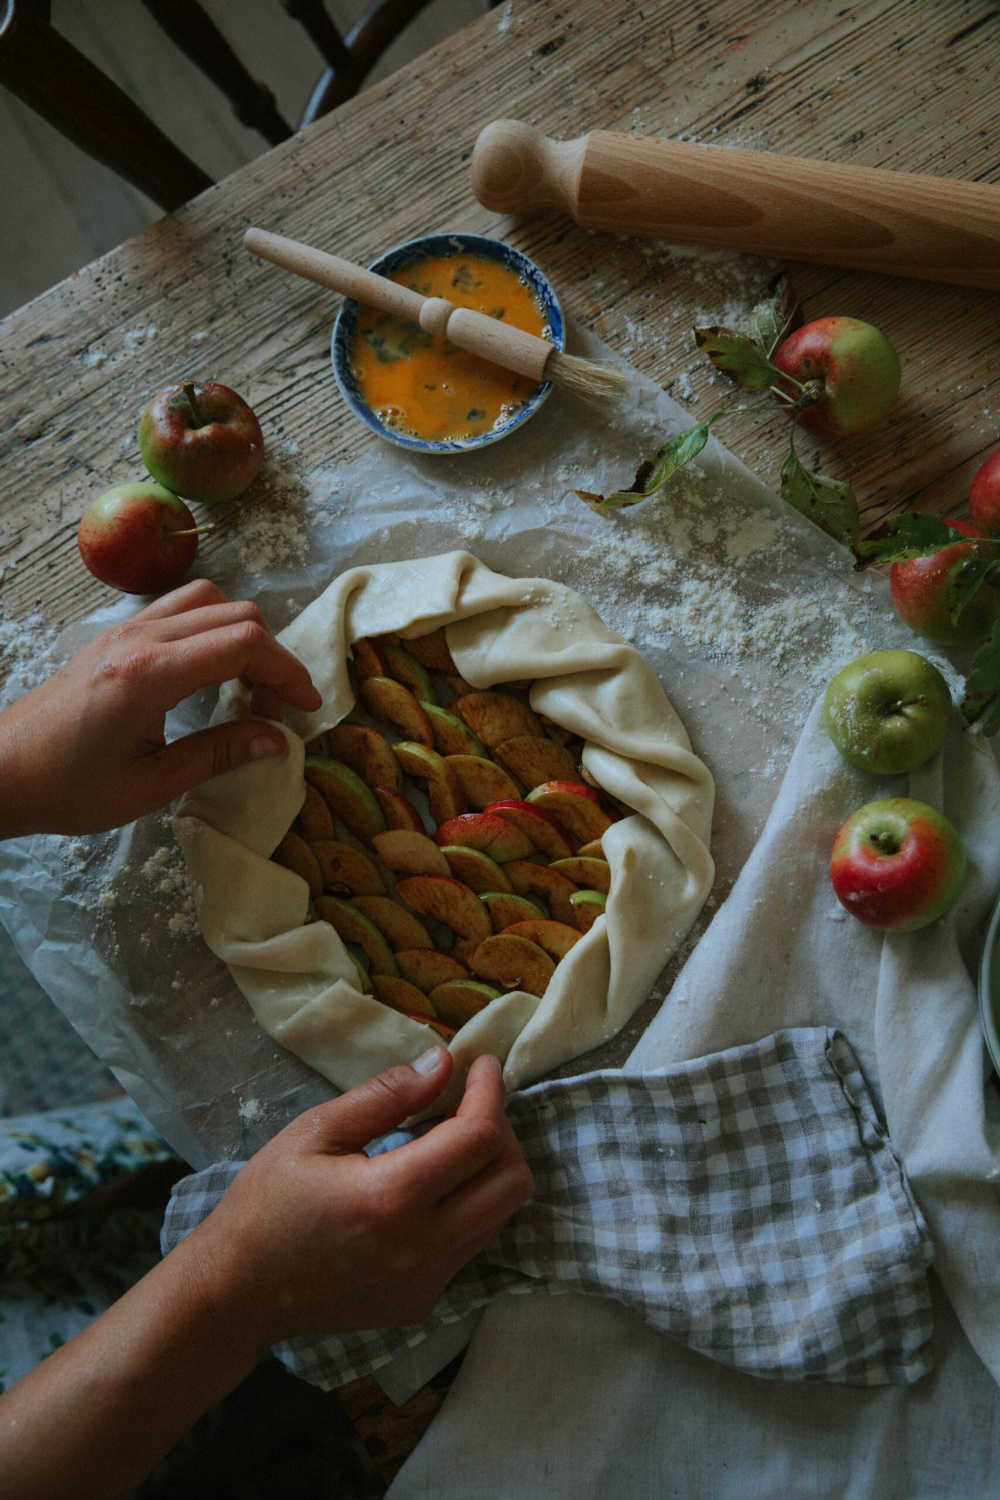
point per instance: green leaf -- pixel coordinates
(829, 503)
(913, 534)
(739, 356)
(965, 580)
(981, 704)
(654, 471)
(769, 322)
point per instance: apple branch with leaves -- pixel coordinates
(746, 357)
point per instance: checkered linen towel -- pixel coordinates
(749, 1204)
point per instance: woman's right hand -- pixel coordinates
(314, 1237)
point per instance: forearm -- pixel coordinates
(96, 1416)
(19, 791)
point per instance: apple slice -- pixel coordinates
(427, 967)
(398, 926)
(462, 949)
(555, 938)
(533, 760)
(593, 850)
(367, 753)
(494, 836)
(513, 963)
(387, 699)
(316, 819)
(320, 745)
(368, 661)
(496, 717)
(444, 1031)
(540, 827)
(296, 855)
(482, 781)
(544, 883)
(409, 672)
(400, 995)
(458, 1000)
(431, 651)
(587, 907)
(575, 804)
(408, 853)
(397, 810)
(364, 979)
(475, 869)
(345, 870)
(592, 874)
(442, 899)
(354, 927)
(346, 795)
(452, 736)
(445, 797)
(458, 685)
(505, 909)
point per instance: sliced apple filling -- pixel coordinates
(488, 893)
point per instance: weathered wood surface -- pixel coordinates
(895, 83)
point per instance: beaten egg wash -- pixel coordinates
(427, 386)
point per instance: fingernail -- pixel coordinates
(429, 1061)
(493, 1062)
(263, 745)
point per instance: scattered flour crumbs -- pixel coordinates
(272, 530)
(167, 874)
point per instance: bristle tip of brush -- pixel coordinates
(600, 385)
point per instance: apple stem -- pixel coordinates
(788, 380)
(196, 531)
(886, 842)
(192, 403)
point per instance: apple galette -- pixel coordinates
(493, 830)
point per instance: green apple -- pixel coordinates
(888, 712)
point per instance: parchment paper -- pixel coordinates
(743, 609)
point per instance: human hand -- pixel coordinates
(314, 1237)
(85, 751)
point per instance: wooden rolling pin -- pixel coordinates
(933, 228)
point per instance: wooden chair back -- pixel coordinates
(69, 91)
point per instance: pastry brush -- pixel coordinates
(475, 332)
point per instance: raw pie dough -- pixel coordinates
(298, 977)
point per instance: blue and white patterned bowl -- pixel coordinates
(403, 255)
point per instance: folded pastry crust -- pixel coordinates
(297, 976)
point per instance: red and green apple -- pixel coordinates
(202, 441)
(897, 865)
(919, 588)
(139, 538)
(851, 370)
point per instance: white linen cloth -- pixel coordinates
(571, 1397)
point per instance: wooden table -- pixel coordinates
(894, 83)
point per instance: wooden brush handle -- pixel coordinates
(473, 331)
(933, 228)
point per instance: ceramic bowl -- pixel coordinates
(989, 988)
(416, 250)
